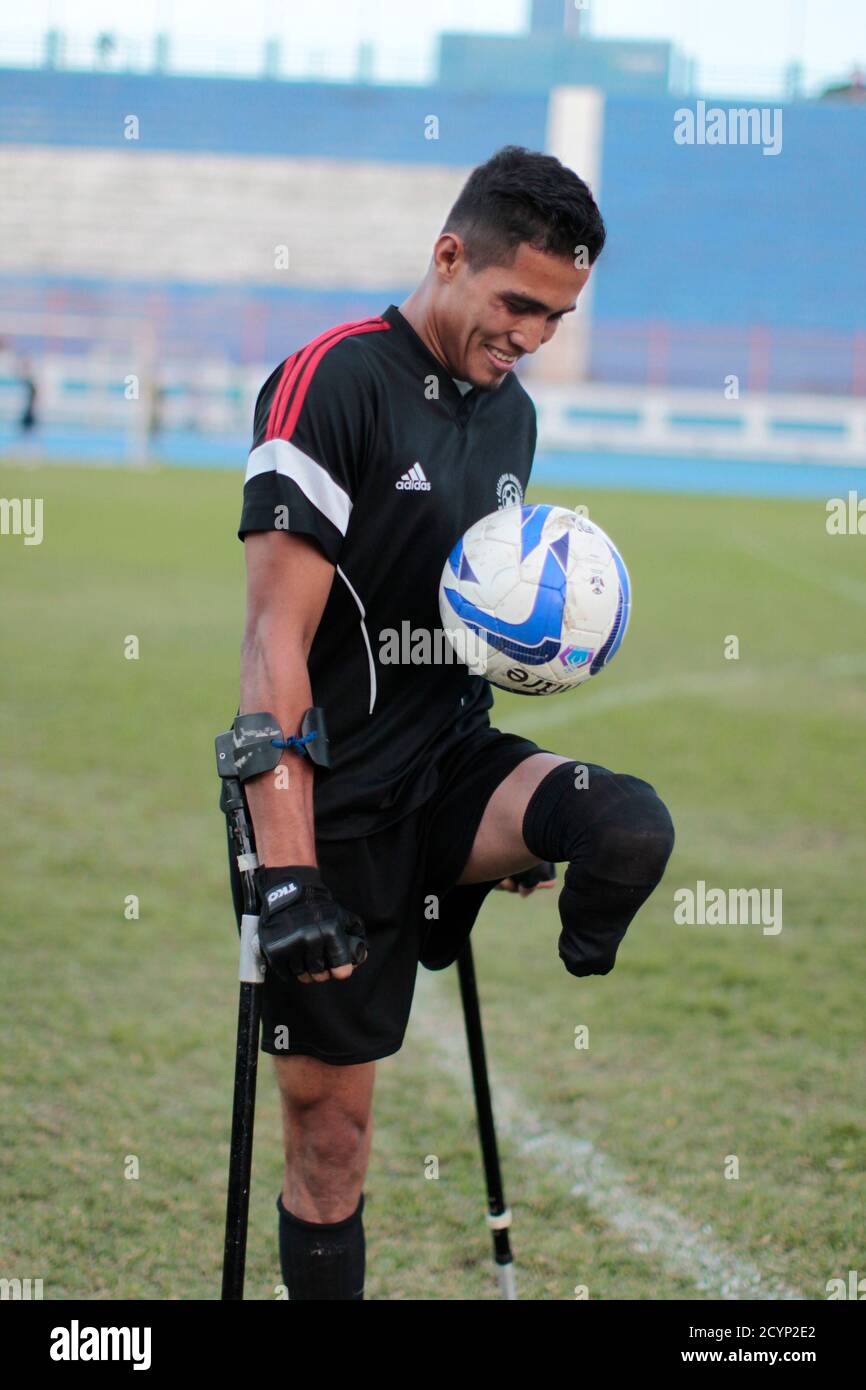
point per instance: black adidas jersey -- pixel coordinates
(365, 442)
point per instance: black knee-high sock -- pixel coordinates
(617, 836)
(322, 1260)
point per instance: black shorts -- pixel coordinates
(402, 882)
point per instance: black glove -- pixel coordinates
(302, 930)
(530, 878)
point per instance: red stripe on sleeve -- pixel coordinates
(301, 366)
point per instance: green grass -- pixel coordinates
(704, 1042)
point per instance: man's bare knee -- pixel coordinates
(327, 1129)
(499, 849)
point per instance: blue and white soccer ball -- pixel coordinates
(535, 599)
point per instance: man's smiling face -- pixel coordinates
(490, 319)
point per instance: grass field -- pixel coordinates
(705, 1041)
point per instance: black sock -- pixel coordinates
(321, 1260)
(616, 835)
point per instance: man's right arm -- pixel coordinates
(314, 421)
(288, 582)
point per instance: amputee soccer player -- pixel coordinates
(376, 446)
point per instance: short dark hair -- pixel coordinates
(523, 195)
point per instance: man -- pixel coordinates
(27, 418)
(375, 447)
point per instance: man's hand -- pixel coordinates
(303, 933)
(543, 875)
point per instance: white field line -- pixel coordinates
(548, 713)
(839, 585)
(545, 714)
(650, 1227)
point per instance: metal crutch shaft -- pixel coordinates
(498, 1215)
(241, 1154)
(251, 974)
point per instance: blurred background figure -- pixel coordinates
(27, 419)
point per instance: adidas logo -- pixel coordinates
(413, 481)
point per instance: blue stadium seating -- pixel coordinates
(709, 247)
(243, 116)
(725, 235)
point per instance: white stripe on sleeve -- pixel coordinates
(315, 482)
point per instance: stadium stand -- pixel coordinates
(183, 223)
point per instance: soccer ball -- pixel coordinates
(535, 599)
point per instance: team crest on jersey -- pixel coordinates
(509, 492)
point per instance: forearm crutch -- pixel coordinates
(251, 975)
(253, 745)
(498, 1215)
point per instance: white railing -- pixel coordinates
(648, 420)
(120, 385)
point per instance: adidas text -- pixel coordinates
(414, 480)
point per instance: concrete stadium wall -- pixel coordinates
(220, 218)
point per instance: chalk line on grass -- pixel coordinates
(839, 585)
(651, 1227)
(548, 714)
